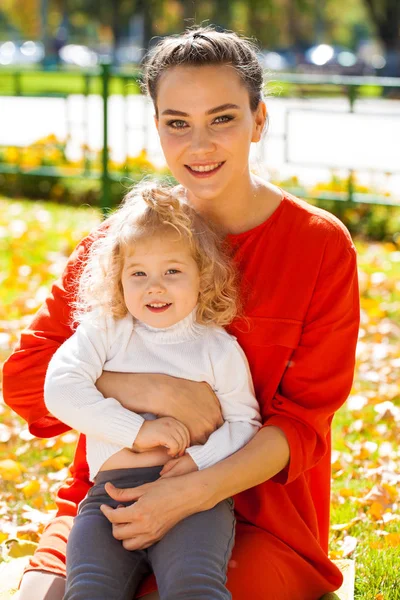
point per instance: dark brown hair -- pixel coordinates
(205, 46)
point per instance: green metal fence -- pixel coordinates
(102, 81)
(106, 81)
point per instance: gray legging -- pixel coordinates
(189, 562)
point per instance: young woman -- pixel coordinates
(299, 289)
(153, 297)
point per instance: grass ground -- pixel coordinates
(49, 83)
(72, 82)
(35, 240)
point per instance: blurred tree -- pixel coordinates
(385, 15)
(17, 11)
(221, 13)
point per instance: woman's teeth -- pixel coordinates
(204, 168)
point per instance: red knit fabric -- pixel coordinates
(299, 284)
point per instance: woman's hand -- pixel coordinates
(179, 466)
(192, 403)
(159, 506)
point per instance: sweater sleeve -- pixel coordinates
(71, 395)
(25, 370)
(320, 373)
(240, 410)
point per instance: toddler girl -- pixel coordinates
(153, 298)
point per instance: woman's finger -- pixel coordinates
(115, 515)
(125, 494)
(168, 466)
(138, 543)
(125, 531)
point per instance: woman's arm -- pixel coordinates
(296, 429)
(192, 403)
(162, 504)
(240, 408)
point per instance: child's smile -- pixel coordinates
(160, 279)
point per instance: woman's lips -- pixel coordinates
(158, 309)
(204, 174)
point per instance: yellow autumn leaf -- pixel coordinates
(57, 463)
(31, 488)
(391, 491)
(18, 548)
(376, 511)
(379, 597)
(38, 502)
(393, 540)
(346, 493)
(10, 470)
(3, 536)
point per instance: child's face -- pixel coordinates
(160, 279)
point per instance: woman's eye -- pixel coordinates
(139, 274)
(172, 271)
(223, 119)
(177, 124)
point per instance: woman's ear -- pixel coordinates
(260, 118)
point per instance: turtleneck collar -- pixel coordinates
(184, 330)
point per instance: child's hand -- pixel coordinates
(165, 431)
(179, 466)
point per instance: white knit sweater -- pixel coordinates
(186, 349)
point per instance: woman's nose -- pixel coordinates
(202, 142)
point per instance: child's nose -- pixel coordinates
(156, 285)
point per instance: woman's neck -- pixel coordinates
(242, 209)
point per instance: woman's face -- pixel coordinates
(206, 126)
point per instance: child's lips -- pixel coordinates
(158, 309)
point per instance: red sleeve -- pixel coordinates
(24, 371)
(320, 373)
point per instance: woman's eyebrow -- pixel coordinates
(212, 111)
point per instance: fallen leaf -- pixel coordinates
(10, 470)
(376, 511)
(349, 545)
(18, 548)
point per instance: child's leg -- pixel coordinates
(190, 562)
(98, 566)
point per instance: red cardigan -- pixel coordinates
(299, 284)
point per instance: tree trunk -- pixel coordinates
(222, 13)
(385, 15)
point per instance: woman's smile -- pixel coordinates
(205, 170)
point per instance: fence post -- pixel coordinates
(105, 191)
(352, 92)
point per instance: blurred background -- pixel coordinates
(310, 36)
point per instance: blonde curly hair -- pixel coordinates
(146, 210)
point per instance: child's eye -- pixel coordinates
(172, 271)
(139, 274)
(177, 124)
(223, 119)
